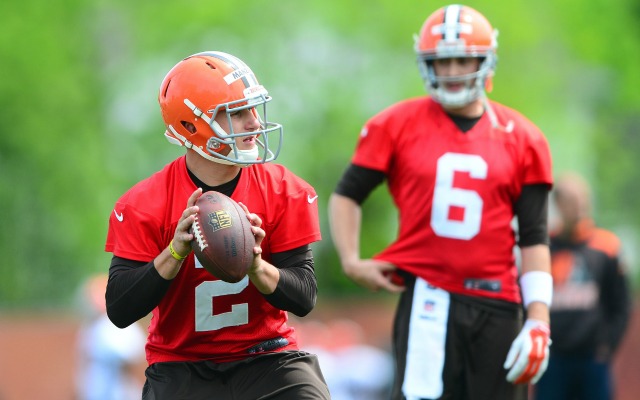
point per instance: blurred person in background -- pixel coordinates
(211, 339)
(591, 299)
(110, 360)
(459, 168)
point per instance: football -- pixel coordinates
(223, 241)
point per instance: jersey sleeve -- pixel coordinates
(537, 160)
(132, 233)
(373, 149)
(297, 223)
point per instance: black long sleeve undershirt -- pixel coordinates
(135, 288)
(297, 288)
(531, 210)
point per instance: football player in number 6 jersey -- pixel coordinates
(210, 339)
(459, 168)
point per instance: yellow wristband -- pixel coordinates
(174, 253)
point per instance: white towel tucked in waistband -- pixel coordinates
(426, 347)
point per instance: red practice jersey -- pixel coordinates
(455, 191)
(201, 317)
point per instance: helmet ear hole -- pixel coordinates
(189, 126)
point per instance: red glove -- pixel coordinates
(529, 354)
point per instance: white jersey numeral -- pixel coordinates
(206, 292)
(446, 196)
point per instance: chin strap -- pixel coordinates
(182, 141)
(246, 155)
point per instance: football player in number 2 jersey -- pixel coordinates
(209, 338)
(459, 168)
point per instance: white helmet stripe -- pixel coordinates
(451, 24)
(241, 70)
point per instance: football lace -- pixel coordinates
(197, 233)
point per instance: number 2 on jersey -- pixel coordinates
(446, 196)
(206, 292)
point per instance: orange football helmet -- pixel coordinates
(200, 87)
(457, 31)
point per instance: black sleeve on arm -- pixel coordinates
(134, 289)
(357, 183)
(297, 288)
(532, 210)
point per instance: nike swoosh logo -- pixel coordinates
(311, 199)
(119, 217)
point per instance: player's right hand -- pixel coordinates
(182, 237)
(373, 275)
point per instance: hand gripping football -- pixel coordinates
(223, 241)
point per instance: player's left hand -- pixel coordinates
(258, 234)
(529, 354)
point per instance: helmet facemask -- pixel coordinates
(261, 153)
(474, 83)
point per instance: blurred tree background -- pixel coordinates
(81, 124)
